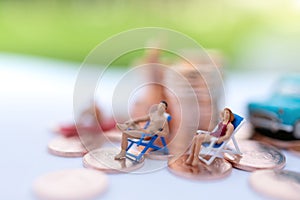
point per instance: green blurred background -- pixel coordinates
(70, 29)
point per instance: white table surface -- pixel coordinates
(36, 93)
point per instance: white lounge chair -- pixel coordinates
(217, 150)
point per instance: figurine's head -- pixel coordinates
(162, 106)
(227, 114)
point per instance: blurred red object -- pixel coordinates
(69, 130)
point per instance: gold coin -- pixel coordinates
(278, 184)
(67, 147)
(73, 184)
(255, 156)
(218, 169)
(103, 159)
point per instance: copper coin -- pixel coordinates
(218, 169)
(279, 184)
(104, 159)
(255, 156)
(275, 142)
(67, 147)
(70, 184)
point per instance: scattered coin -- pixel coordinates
(74, 184)
(255, 156)
(218, 169)
(278, 184)
(67, 147)
(104, 159)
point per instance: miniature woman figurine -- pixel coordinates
(158, 125)
(223, 132)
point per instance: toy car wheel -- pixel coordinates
(297, 130)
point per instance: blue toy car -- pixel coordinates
(280, 114)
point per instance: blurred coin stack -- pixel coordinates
(151, 69)
(193, 91)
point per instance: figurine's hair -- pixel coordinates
(164, 102)
(231, 114)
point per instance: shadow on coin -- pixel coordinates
(233, 157)
(219, 168)
(103, 159)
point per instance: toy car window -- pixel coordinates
(289, 89)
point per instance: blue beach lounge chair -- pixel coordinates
(147, 140)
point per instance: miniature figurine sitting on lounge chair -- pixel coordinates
(223, 133)
(158, 125)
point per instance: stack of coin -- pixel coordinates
(151, 70)
(152, 91)
(193, 92)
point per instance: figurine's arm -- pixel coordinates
(202, 132)
(229, 131)
(138, 120)
(165, 130)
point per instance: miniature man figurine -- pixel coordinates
(223, 132)
(158, 126)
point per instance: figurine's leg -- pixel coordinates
(191, 155)
(124, 143)
(199, 140)
(136, 133)
(198, 143)
(122, 127)
(122, 153)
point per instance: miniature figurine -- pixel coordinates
(223, 132)
(158, 125)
